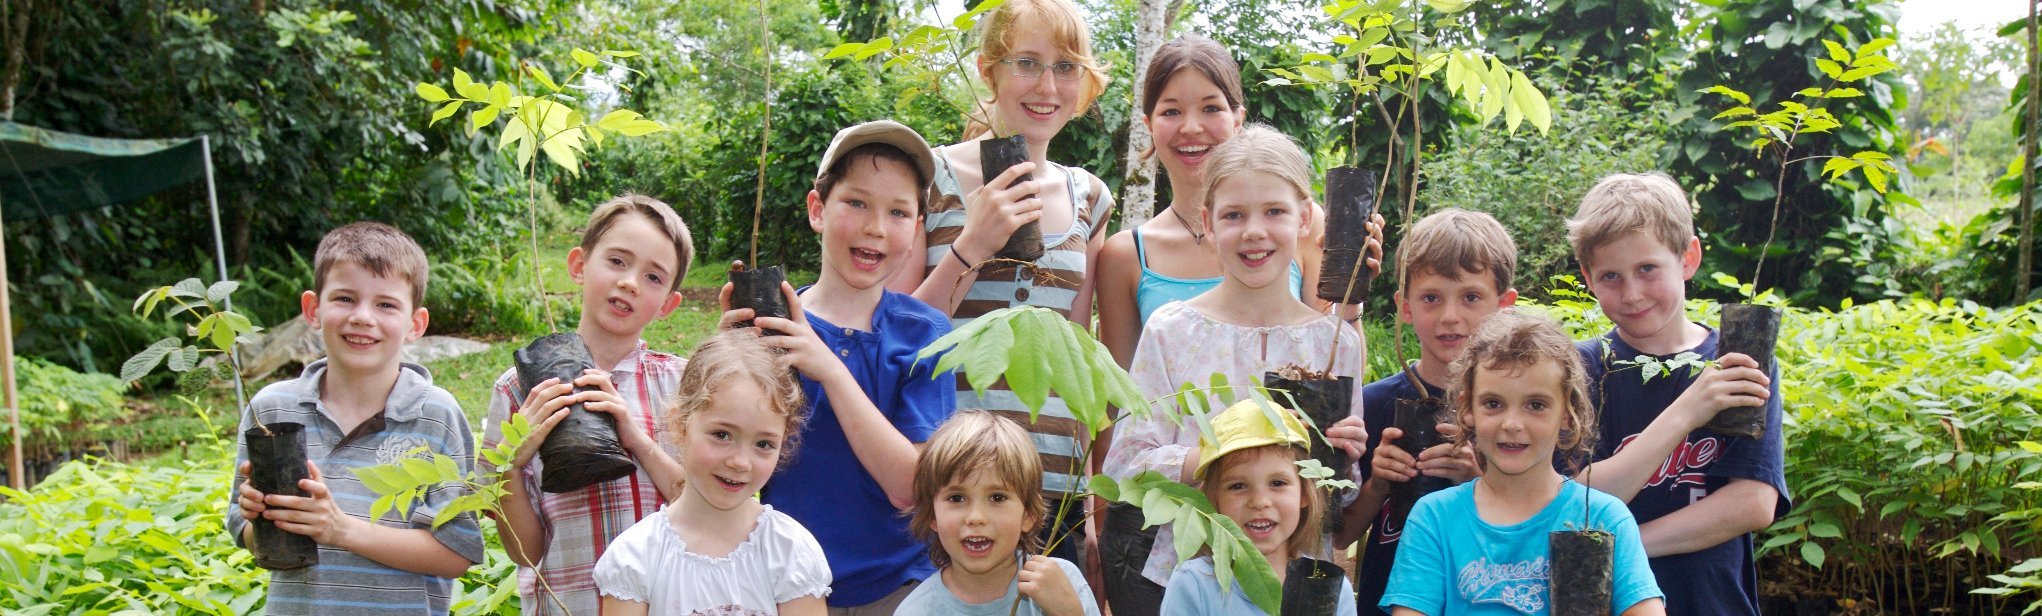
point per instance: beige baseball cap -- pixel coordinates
(888, 132)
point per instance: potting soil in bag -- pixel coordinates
(758, 288)
(1326, 400)
(1350, 202)
(1580, 574)
(276, 461)
(583, 449)
(1311, 587)
(1752, 330)
(996, 155)
(1419, 420)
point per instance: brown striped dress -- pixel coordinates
(1052, 282)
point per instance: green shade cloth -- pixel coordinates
(45, 172)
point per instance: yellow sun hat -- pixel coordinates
(1245, 425)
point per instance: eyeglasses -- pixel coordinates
(1031, 67)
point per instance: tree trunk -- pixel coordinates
(2026, 269)
(15, 20)
(1138, 193)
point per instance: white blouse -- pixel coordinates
(779, 562)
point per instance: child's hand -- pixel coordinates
(542, 408)
(800, 347)
(1391, 463)
(730, 318)
(992, 214)
(1042, 581)
(605, 399)
(1734, 381)
(251, 500)
(314, 515)
(1349, 435)
(1446, 461)
(1373, 248)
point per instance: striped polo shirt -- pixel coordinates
(580, 525)
(1051, 281)
(416, 414)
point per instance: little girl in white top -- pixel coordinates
(1258, 206)
(716, 551)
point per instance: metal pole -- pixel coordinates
(220, 258)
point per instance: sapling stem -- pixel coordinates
(765, 132)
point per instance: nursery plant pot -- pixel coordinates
(1350, 202)
(1419, 419)
(276, 461)
(1752, 330)
(758, 288)
(1580, 574)
(1325, 399)
(1311, 587)
(583, 449)
(995, 156)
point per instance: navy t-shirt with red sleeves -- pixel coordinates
(1379, 547)
(1722, 579)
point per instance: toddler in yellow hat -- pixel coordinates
(1250, 474)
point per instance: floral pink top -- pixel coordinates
(1181, 345)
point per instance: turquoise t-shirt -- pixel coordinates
(1194, 590)
(933, 597)
(1450, 562)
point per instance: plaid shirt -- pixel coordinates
(580, 525)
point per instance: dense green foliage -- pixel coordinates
(63, 410)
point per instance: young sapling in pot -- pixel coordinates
(1753, 330)
(1350, 203)
(996, 155)
(583, 449)
(1311, 587)
(1324, 399)
(758, 288)
(1419, 420)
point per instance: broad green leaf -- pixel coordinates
(1494, 80)
(999, 351)
(1530, 102)
(382, 506)
(221, 290)
(1190, 532)
(1104, 486)
(482, 117)
(1877, 177)
(183, 359)
(843, 50)
(539, 73)
(499, 94)
(422, 471)
(584, 58)
(1836, 167)
(612, 53)
(431, 93)
(1740, 97)
(1836, 52)
(1825, 530)
(876, 47)
(1158, 508)
(467, 87)
(146, 303)
(223, 334)
(1812, 553)
(1448, 6)
(444, 112)
(189, 288)
(1862, 72)
(1873, 46)
(1843, 93)
(1735, 112)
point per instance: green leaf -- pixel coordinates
(1843, 93)
(467, 87)
(1838, 166)
(1825, 530)
(2031, 446)
(1190, 531)
(1836, 52)
(613, 53)
(1877, 177)
(183, 359)
(431, 93)
(1873, 46)
(223, 334)
(422, 471)
(1530, 102)
(843, 50)
(445, 112)
(1812, 553)
(1105, 487)
(382, 505)
(876, 47)
(1021, 356)
(482, 117)
(1740, 97)
(1830, 68)
(1862, 72)
(584, 58)
(221, 290)
(1158, 508)
(189, 288)
(539, 73)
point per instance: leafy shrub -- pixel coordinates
(61, 409)
(1903, 429)
(1531, 181)
(490, 295)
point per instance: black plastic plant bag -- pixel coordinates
(1350, 202)
(1419, 420)
(1752, 330)
(1580, 576)
(583, 449)
(996, 155)
(1325, 401)
(1311, 587)
(276, 461)
(758, 288)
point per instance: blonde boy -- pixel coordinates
(1454, 269)
(361, 406)
(1697, 496)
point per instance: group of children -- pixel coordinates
(911, 494)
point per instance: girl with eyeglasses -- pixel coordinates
(1036, 58)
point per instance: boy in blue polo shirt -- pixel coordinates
(361, 405)
(854, 344)
(1698, 496)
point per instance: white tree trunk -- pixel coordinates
(1138, 193)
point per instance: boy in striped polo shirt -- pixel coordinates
(362, 406)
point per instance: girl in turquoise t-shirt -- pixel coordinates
(1520, 393)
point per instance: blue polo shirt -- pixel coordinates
(1379, 551)
(1722, 579)
(835, 497)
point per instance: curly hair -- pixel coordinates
(730, 355)
(1512, 340)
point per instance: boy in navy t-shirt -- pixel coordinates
(1698, 496)
(854, 345)
(1453, 271)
